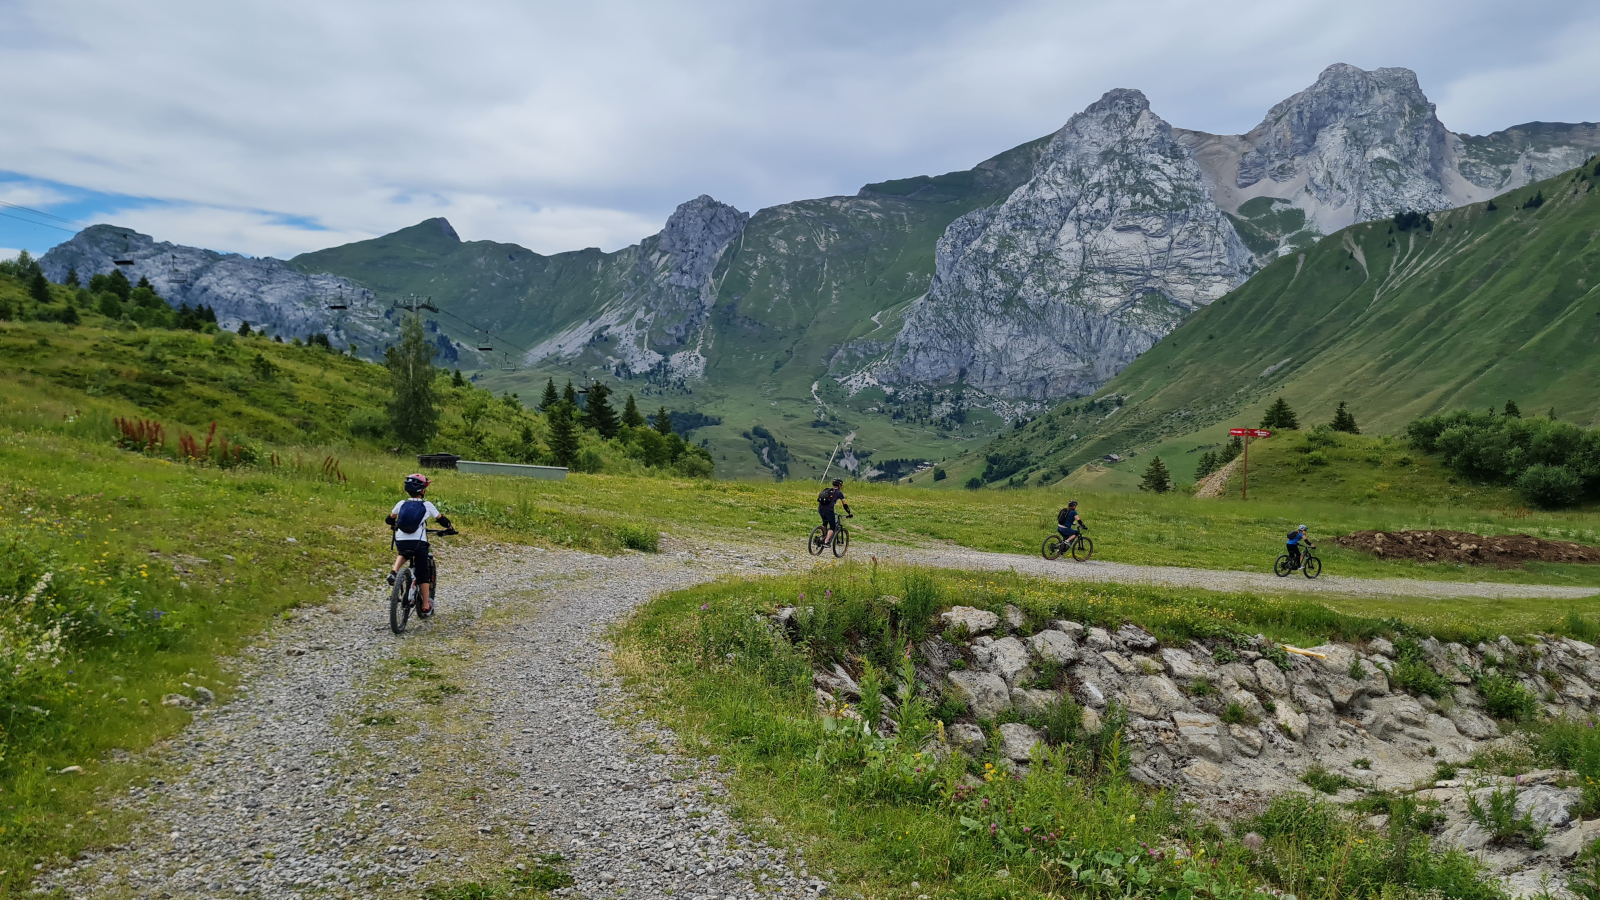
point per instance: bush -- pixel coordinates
(367, 423)
(1412, 671)
(1504, 698)
(1550, 487)
(691, 465)
(939, 474)
(974, 483)
(1320, 779)
(638, 537)
(1498, 816)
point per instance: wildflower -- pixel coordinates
(703, 606)
(1131, 819)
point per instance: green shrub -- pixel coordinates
(370, 424)
(1550, 487)
(639, 537)
(1504, 698)
(1499, 817)
(919, 601)
(1414, 673)
(1236, 714)
(1320, 779)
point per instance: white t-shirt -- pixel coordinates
(421, 534)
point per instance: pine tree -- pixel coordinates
(145, 283)
(1156, 477)
(69, 316)
(663, 422)
(1231, 452)
(551, 396)
(1280, 416)
(244, 328)
(457, 381)
(630, 414)
(1208, 464)
(39, 288)
(563, 433)
(1344, 421)
(72, 277)
(1512, 410)
(598, 414)
(413, 412)
(570, 394)
(117, 283)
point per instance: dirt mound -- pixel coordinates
(1503, 550)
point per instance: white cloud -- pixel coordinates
(8, 254)
(566, 125)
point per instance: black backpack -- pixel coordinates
(825, 497)
(412, 514)
(1061, 517)
(1292, 535)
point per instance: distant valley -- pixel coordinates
(920, 317)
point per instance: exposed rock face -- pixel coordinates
(1084, 267)
(267, 293)
(658, 317)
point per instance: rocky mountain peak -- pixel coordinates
(694, 238)
(445, 228)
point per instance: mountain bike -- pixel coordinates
(1079, 545)
(1309, 564)
(407, 594)
(840, 542)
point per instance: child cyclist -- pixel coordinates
(409, 521)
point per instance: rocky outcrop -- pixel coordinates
(268, 293)
(657, 318)
(1110, 244)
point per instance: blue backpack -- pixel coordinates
(412, 514)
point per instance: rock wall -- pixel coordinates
(1230, 726)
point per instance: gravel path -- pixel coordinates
(951, 557)
(355, 763)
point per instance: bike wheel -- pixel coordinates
(1281, 567)
(1082, 549)
(1052, 547)
(1313, 567)
(841, 541)
(400, 602)
(815, 546)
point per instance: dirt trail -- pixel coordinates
(354, 763)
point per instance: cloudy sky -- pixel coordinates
(275, 128)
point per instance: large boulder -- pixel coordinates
(1200, 734)
(1473, 724)
(1181, 664)
(1055, 646)
(1031, 702)
(1007, 657)
(968, 739)
(985, 694)
(1271, 678)
(1135, 638)
(975, 621)
(1017, 741)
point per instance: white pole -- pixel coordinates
(830, 461)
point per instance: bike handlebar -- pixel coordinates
(442, 532)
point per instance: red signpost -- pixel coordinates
(1247, 434)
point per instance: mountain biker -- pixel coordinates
(409, 522)
(825, 501)
(1068, 521)
(1295, 539)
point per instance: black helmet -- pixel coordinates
(416, 484)
(838, 482)
(1072, 503)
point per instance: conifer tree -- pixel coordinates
(244, 328)
(1231, 452)
(39, 287)
(630, 414)
(72, 277)
(550, 398)
(413, 411)
(563, 433)
(1208, 464)
(1280, 416)
(598, 414)
(663, 422)
(117, 283)
(457, 381)
(145, 283)
(1344, 421)
(1156, 477)
(1512, 410)
(570, 394)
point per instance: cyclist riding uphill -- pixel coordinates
(1296, 538)
(1068, 521)
(409, 521)
(825, 501)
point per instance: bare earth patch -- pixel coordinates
(1502, 550)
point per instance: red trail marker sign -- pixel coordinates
(1247, 434)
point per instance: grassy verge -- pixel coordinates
(892, 818)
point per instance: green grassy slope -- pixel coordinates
(803, 279)
(1486, 306)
